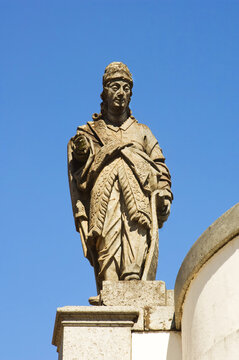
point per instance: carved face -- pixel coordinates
(118, 96)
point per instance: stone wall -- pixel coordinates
(161, 345)
(207, 293)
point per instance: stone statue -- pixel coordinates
(120, 186)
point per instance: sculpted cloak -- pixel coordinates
(111, 193)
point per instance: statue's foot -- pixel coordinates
(132, 277)
(95, 300)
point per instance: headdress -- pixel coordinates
(117, 70)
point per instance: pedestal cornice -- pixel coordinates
(97, 316)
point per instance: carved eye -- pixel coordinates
(114, 88)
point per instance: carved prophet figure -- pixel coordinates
(120, 186)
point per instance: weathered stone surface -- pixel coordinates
(101, 343)
(159, 318)
(88, 333)
(223, 230)
(170, 298)
(133, 293)
(120, 186)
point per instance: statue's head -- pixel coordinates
(117, 88)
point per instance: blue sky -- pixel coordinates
(184, 59)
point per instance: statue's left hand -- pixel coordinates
(166, 207)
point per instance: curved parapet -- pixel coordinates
(219, 234)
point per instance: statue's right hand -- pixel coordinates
(80, 145)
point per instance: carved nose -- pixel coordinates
(120, 92)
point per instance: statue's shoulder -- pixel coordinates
(86, 128)
(147, 134)
(144, 128)
(90, 125)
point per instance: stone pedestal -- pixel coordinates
(83, 332)
(132, 313)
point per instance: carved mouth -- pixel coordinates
(119, 101)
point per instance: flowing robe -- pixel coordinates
(111, 190)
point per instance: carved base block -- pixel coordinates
(135, 293)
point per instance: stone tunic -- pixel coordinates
(112, 190)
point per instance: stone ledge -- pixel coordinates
(97, 316)
(157, 318)
(223, 230)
